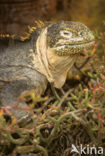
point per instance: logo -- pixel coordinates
(87, 149)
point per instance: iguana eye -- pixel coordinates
(65, 33)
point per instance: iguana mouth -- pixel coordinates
(71, 49)
(85, 44)
(59, 46)
(82, 46)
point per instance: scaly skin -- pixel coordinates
(44, 55)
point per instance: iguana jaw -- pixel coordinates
(72, 49)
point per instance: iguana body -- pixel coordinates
(45, 55)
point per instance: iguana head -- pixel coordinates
(69, 38)
(58, 46)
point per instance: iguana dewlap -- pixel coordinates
(44, 56)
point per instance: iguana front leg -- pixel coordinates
(11, 92)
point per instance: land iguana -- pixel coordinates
(45, 55)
